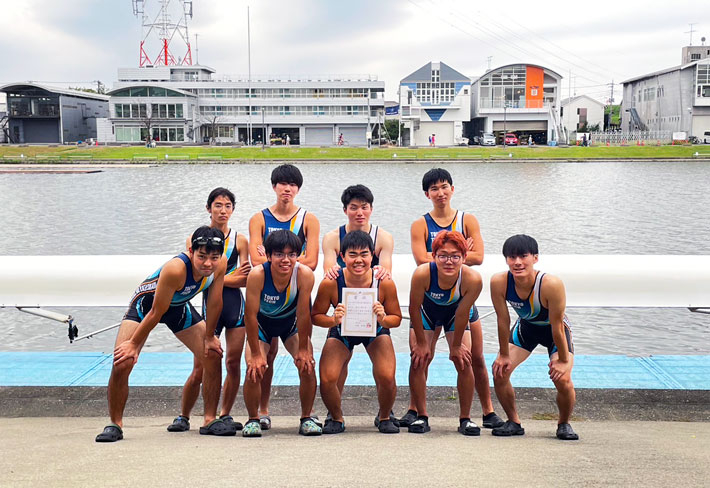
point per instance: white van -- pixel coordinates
(706, 137)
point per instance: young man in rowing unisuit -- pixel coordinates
(357, 205)
(438, 187)
(220, 206)
(539, 301)
(286, 181)
(165, 297)
(278, 305)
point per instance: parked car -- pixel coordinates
(706, 137)
(488, 139)
(511, 140)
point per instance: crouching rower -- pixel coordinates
(165, 297)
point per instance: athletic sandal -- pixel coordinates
(420, 426)
(408, 418)
(218, 428)
(387, 426)
(507, 429)
(111, 433)
(467, 427)
(252, 428)
(229, 421)
(317, 421)
(180, 424)
(392, 418)
(491, 421)
(333, 427)
(265, 422)
(565, 432)
(309, 427)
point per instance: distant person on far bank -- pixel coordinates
(539, 301)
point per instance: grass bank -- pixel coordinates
(212, 153)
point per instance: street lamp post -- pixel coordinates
(263, 129)
(505, 129)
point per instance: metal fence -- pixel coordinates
(621, 138)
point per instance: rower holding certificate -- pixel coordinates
(365, 310)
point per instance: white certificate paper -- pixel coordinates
(359, 319)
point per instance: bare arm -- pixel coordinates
(389, 301)
(238, 278)
(554, 294)
(498, 286)
(256, 239)
(324, 299)
(304, 357)
(502, 363)
(418, 239)
(303, 306)
(312, 233)
(172, 277)
(385, 242)
(214, 298)
(255, 285)
(471, 286)
(474, 256)
(421, 352)
(331, 249)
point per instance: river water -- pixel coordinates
(570, 208)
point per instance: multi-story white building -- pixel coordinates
(435, 101)
(523, 99)
(675, 99)
(581, 112)
(193, 104)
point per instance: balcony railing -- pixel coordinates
(512, 104)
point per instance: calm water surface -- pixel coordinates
(570, 208)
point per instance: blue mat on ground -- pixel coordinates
(171, 369)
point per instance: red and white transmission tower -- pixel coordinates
(164, 21)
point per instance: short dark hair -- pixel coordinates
(356, 192)
(519, 245)
(214, 240)
(286, 173)
(357, 239)
(219, 192)
(279, 240)
(435, 175)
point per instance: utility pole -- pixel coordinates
(611, 103)
(249, 82)
(569, 101)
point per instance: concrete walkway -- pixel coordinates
(62, 452)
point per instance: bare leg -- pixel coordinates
(191, 390)
(384, 365)
(118, 382)
(465, 380)
(566, 395)
(344, 375)
(268, 376)
(235, 346)
(480, 372)
(193, 337)
(504, 389)
(252, 389)
(417, 380)
(333, 361)
(307, 390)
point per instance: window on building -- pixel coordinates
(435, 75)
(694, 57)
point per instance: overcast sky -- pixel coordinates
(78, 41)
